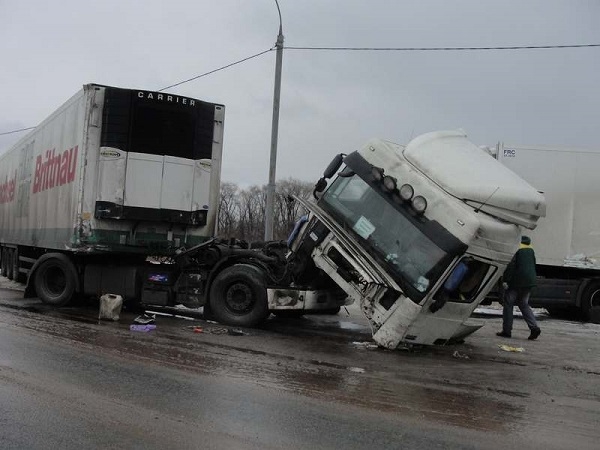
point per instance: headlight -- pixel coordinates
(419, 204)
(389, 183)
(377, 173)
(406, 192)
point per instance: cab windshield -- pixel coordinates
(413, 259)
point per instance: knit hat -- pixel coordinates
(525, 240)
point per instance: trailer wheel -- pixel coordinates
(238, 296)
(55, 282)
(590, 302)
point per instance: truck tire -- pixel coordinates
(238, 296)
(590, 302)
(55, 282)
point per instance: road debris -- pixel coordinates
(459, 355)
(509, 348)
(142, 328)
(145, 319)
(217, 330)
(177, 316)
(366, 345)
(356, 369)
(236, 332)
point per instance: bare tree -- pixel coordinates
(252, 213)
(242, 211)
(229, 210)
(288, 211)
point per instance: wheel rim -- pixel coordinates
(55, 281)
(239, 299)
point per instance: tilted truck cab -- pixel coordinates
(398, 220)
(417, 235)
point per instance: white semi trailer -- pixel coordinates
(112, 176)
(567, 241)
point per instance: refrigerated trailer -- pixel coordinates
(567, 240)
(111, 177)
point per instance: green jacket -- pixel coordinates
(520, 272)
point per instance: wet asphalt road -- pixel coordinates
(69, 381)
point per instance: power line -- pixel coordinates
(392, 49)
(177, 84)
(16, 131)
(425, 49)
(216, 70)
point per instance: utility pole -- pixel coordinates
(269, 210)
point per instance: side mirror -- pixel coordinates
(333, 166)
(319, 187)
(346, 172)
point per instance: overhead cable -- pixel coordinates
(389, 49)
(425, 49)
(16, 131)
(216, 70)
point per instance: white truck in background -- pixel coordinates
(567, 240)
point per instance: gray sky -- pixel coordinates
(331, 102)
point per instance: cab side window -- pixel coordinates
(465, 281)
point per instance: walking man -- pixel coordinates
(519, 279)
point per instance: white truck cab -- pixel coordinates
(418, 234)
